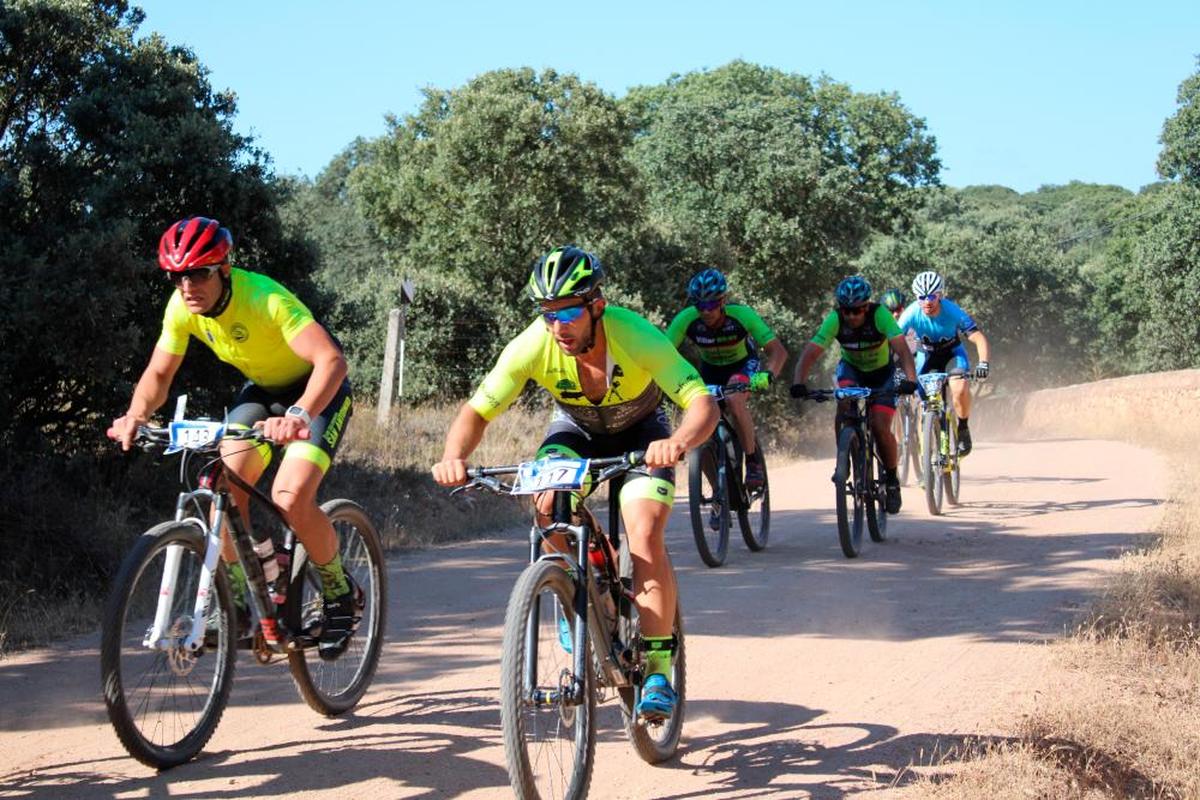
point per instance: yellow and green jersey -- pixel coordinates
(727, 344)
(252, 333)
(642, 366)
(865, 348)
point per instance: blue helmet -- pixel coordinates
(708, 284)
(852, 291)
(894, 300)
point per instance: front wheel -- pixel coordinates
(754, 518)
(931, 459)
(848, 480)
(549, 734)
(900, 427)
(708, 501)
(163, 699)
(335, 686)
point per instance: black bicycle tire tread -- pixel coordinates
(696, 510)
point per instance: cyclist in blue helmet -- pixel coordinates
(868, 335)
(728, 337)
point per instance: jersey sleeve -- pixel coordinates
(174, 335)
(966, 323)
(508, 377)
(886, 323)
(752, 322)
(678, 327)
(289, 313)
(671, 371)
(828, 330)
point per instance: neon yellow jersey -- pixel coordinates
(642, 365)
(252, 333)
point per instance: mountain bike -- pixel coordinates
(939, 442)
(171, 626)
(906, 427)
(860, 492)
(716, 488)
(572, 637)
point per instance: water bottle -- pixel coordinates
(270, 562)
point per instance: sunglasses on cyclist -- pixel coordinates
(854, 311)
(708, 305)
(564, 315)
(195, 275)
(929, 298)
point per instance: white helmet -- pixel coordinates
(928, 282)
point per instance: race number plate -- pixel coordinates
(851, 392)
(193, 434)
(550, 474)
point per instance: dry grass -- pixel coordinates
(1124, 721)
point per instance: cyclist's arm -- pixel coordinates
(899, 345)
(699, 421)
(148, 395)
(677, 330)
(808, 356)
(316, 346)
(776, 355)
(461, 440)
(982, 349)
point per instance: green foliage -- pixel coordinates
(774, 176)
(104, 141)
(472, 188)
(1180, 157)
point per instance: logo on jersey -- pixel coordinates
(565, 385)
(239, 332)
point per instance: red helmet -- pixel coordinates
(194, 242)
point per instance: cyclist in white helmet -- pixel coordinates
(939, 325)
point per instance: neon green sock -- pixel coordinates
(237, 584)
(659, 651)
(333, 578)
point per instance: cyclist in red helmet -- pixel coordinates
(296, 391)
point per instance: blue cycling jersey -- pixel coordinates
(940, 332)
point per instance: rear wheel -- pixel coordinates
(163, 699)
(335, 686)
(848, 478)
(876, 500)
(549, 737)
(755, 518)
(951, 476)
(655, 742)
(708, 501)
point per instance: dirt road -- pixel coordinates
(809, 675)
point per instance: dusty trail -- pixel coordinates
(810, 676)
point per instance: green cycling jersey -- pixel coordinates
(642, 365)
(866, 347)
(727, 344)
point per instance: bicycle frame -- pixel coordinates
(218, 499)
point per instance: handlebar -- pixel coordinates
(600, 469)
(151, 437)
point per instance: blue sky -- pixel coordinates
(1017, 93)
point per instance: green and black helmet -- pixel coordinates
(565, 271)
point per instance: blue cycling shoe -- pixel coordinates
(658, 699)
(564, 634)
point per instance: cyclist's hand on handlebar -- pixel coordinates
(124, 429)
(798, 391)
(282, 430)
(450, 472)
(761, 381)
(665, 453)
(981, 371)
(906, 386)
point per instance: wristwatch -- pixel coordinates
(297, 411)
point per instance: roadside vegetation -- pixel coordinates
(786, 182)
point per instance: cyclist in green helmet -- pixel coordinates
(608, 370)
(728, 337)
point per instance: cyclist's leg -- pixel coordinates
(880, 411)
(295, 488)
(564, 439)
(245, 459)
(957, 365)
